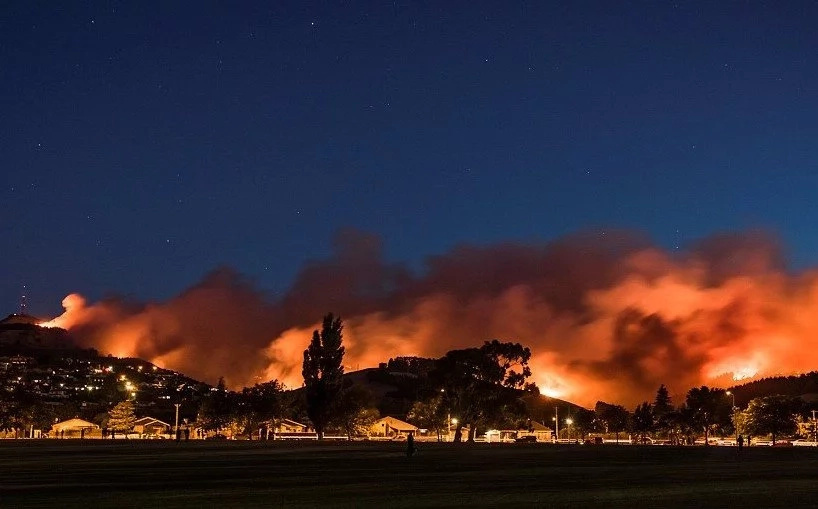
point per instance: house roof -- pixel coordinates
(290, 422)
(396, 424)
(536, 426)
(147, 421)
(73, 424)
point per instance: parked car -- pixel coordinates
(526, 438)
(217, 436)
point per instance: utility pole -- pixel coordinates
(176, 426)
(557, 422)
(735, 413)
(814, 429)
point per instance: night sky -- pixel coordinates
(144, 144)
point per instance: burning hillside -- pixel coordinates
(606, 316)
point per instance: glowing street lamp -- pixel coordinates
(735, 414)
(569, 422)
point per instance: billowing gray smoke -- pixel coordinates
(607, 315)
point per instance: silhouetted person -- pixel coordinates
(82, 433)
(740, 442)
(187, 434)
(410, 445)
(178, 435)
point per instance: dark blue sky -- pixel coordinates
(145, 143)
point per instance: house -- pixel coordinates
(501, 435)
(391, 427)
(289, 426)
(541, 432)
(72, 428)
(289, 429)
(151, 427)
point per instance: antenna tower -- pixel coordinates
(23, 301)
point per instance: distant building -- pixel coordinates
(72, 428)
(390, 427)
(289, 426)
(150, 426)
(540, 432)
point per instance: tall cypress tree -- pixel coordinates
(662, 403)
(322, 372)
(121, 418)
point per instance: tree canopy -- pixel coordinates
(322, 370)
(773, 415)
(122, 418)
(708, 408)
(259, 404)
(482, 385)
(217, 409)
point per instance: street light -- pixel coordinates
(735, 420)
(569, 422)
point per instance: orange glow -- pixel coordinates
(608, 327)
(552, 392)
(74, 305)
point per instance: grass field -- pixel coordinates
(98, 473)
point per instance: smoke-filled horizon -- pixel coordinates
(607, 315)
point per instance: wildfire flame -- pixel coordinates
(606, 318)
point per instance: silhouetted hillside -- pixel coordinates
(804, 386)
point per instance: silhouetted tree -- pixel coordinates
(259, 404)
(355, 412)
(663, 412)
(217, 409)
(121, 418)
(774, 415)
(643, 421)
(662, 403)
(708, 408)
(613, 417)
(483, 384)
(430, 414)
(322, 371)
(584, 421)
(19, 410)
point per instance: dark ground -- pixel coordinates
(98, 473)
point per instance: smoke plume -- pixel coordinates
(607, 315)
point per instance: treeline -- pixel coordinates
(704, 412)
(793, 385)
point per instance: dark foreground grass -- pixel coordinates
(97, 473)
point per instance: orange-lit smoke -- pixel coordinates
(607, 317)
